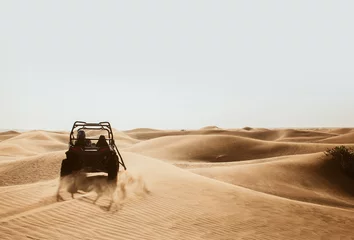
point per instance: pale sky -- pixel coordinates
(176, 64)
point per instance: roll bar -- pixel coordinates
(80, 125)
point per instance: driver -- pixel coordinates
(81, 139)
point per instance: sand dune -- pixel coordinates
(284, 135)
(220, 148)
(147, 134)
(291, 135)
(31, 143)
(31, 169)
(7, 135)
(340, 131)
(139, 130)
(341, 139)
(210, 128)
(123, 139)
(198, 187)
(311, 178)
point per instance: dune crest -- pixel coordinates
(208, 183)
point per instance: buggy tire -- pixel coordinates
(65, 168)
(68, 166)
(112, 168)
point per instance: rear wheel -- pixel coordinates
(112, 168)
(69, 165)
(65, 168)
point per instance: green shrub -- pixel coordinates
(345, 157)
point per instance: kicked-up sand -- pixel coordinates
(210, 183)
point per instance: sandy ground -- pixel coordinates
(209, 183)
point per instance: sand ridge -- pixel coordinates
(340, 139)
(220, 148)
(7, 135)
(209, 183)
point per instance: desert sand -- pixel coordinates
(209, 183)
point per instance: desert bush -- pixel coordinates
(344, 156)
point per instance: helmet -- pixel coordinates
(81, 134)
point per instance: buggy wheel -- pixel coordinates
(66, 168)
(112, 168)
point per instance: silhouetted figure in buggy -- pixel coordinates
(81, 139)
(102, 142)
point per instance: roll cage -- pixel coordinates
(80, 125)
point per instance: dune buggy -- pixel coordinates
(94, 151)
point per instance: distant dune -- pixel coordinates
(208, 183)
(210, 128)
(220, 148)
(340, 139)
(8, 134)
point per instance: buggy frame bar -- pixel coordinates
(80, 125)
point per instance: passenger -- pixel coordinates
(102, 142)
(81, 139)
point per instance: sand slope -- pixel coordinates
(220, 148)
(311, 178)
(197, 188)
(285, 135)
(341, 139)
(7, 135)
